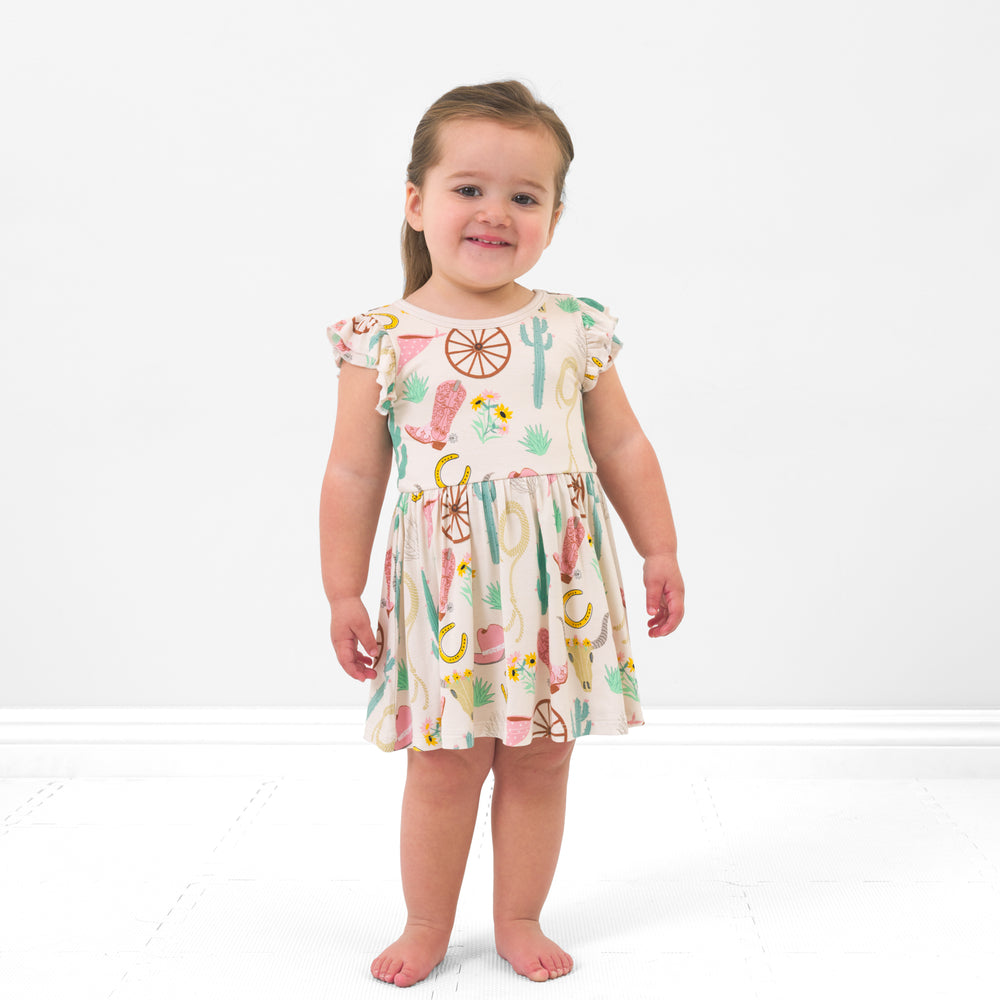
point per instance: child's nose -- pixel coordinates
(493, 213)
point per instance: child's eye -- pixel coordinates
(467, 191)
(524, 199)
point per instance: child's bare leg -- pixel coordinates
(439, 816)
(529, 809)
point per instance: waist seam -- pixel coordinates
(436, 488)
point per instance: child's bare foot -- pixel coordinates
(412, 956)
(530, 952)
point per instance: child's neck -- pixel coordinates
(465, 304)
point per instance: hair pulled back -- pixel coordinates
(508, 102)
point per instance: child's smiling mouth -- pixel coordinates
(484, 241)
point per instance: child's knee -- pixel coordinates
(452, 768)
(540, 757)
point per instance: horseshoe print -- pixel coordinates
(461, 649)
(393, 320)
(572, 622)
(441, 464)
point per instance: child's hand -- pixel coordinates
(348, 626)
(664, 593)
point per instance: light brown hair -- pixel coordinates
(509, 102)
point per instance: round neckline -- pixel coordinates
(468, 324)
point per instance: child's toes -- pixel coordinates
(551, 965)
(557, 964)
(386, 969)
(407, 976)
(536, 971)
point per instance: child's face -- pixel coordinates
(487, 207)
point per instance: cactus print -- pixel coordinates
(502, 611)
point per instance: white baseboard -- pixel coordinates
(778, 742)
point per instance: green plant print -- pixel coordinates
(580, 723)
(487, 493)
(470, 692)
(415, 388)
(432, 733)
(431, 606)
(521, 670)
(492, 416)
(541, 344)
(482, 693)
(583, 435)
(403, 677)
(621, 679)
(466, 574)
(557, 517)
(376, 698)
(374, 340)
(529, 682)
(536, 439)
(398, 446)
(493, 599)
(542, 585)
(571, 305)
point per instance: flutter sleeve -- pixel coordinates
(602, 344)
(364, 341)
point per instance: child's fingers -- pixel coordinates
(666, 608)
(364, 634)
(655, 607)
(348, 628)
(656, 600)
(664, 594)
(351, 659)
(361, 631)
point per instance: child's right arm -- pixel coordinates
(349, 507)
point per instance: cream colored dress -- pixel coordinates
(502, 610)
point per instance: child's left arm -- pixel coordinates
(630, 475)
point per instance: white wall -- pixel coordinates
(792, 207)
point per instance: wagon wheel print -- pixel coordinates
(455, 519)
(379, 644)
(548, 722)
(477, 353)
(576, 491)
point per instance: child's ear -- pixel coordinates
(413, 207)
(555, 218)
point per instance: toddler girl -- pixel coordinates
(502, 634)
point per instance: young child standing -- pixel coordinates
(502, 634)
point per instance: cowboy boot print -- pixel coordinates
(447, 399)
(575, 534)
(447, 575)
(557, 674)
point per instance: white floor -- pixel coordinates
(687, 887)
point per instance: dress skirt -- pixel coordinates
(503, 609)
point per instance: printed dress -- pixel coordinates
(502, 611)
